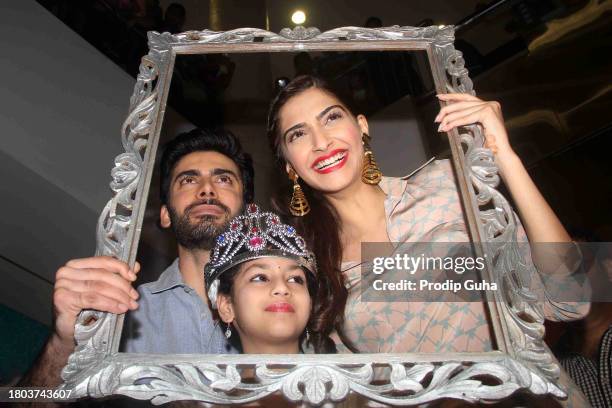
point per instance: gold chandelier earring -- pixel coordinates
(299, 206)
(370, 174)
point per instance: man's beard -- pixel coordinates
(202, 233)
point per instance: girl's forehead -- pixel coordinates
(271, 263)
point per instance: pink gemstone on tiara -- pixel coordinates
(235, 225)
(254, 230)
(255, 242)
(252, 208)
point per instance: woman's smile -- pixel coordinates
(335, 160)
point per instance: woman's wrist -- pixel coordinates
(507, 162)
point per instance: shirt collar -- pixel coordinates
(415, 171)
(396, 190)
(169, 279)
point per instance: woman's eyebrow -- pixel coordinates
(324, 111)
(294, 127)
(319, 116)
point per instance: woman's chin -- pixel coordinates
(334, 182)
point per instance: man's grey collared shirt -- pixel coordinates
(172, 318)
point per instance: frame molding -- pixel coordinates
(523, 362)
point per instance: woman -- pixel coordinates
(324, 149)
(262, 280)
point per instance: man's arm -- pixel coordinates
(46, 371)
(100, 283)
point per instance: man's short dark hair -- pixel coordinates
(206, 140)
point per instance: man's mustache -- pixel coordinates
(207, 201)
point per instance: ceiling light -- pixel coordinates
(298, 17)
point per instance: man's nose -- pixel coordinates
(207, 189)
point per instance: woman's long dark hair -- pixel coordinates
(320, 228)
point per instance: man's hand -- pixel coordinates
(101, 283)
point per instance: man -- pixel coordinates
(205, 180)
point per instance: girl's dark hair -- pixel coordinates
(320, 228)
(226, 282)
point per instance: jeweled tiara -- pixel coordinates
(255, 234)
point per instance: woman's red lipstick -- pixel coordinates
(280, 307)
(335, 166)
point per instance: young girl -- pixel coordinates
(262, 280)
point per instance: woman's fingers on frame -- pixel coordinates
(458, 97)
(454, 107)
(461, 118)
(458, 114)
(462, 121)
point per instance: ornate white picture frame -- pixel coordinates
(522, 361)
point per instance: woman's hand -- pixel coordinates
(541, 223)
(464, 109)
